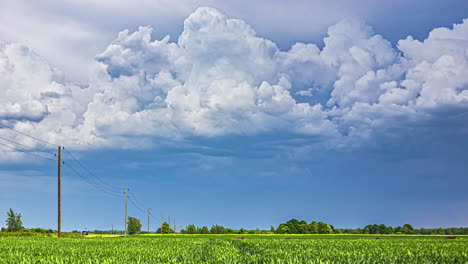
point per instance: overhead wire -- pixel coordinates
(91, 173)
(136, 206)
(105, 188)
(136, 200)
(26, 146)
(24, 134)
(26, 152)
(140, 206)
(88, 181)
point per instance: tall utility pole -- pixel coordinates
(59, 213)
(162, 220)
(149, 212)
(125, 210)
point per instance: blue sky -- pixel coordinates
(229, 121)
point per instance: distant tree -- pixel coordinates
(272, 229)
(322, 228)
(218, 229)
(303, 228)
(241, 231)
(398, 230)
(293, 225)
(407, 229)
(329, 229)
(251, 232)
(166, 228)
(14, 223)
(440, 231)
(191, 229)
(204, 230)
(313, 227)
(133, 225)
(282, 229)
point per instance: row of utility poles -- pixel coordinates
(59, 197)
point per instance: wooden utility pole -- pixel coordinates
(59, 220)
(169, 222)
(149, 212)
(162, 220)
(125, 212)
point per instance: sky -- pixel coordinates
(235, 113)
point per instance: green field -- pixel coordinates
(228, 249)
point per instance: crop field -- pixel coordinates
(232, 249)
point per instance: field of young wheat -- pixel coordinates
(250, 249)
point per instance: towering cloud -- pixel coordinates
(220, 78)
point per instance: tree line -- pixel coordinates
(293, 226)
(405, 229)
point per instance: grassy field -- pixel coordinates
(229, 249)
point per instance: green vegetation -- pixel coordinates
(227, 249)
(165, 229)
(133, 225)
(13, 222)
(314, 242)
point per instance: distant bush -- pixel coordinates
(28, 233)
(24, 233)
(67, 234)
(38, 230)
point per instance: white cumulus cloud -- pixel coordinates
(220, 78)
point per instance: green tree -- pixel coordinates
(407, 229)
(322, 228)
(283, 229)
(166, 228)
(218, 229)
(14, 223)
(440, 231)
(303, 228)
(204, 230)
(191, 229)
(272, 229)
(313, 227)
(133, 225)
(241, 231)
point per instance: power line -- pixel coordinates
(140, 206)
(88, 181)
(136, 200)
(24, 134)
(29, 147)
(154, 217)
(25, 152)
(136, 206)
(84, 167)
